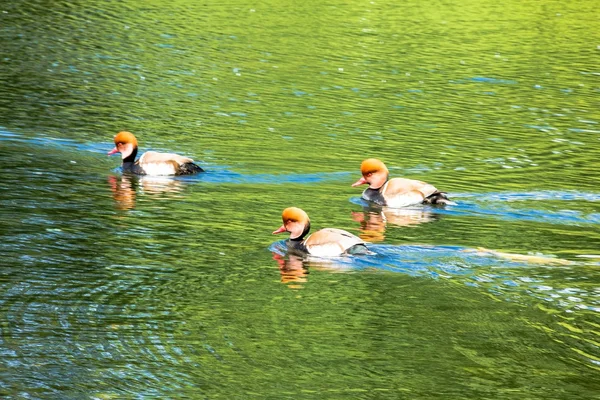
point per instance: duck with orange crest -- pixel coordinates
(328, 242)
(151, 162)
(396, 192)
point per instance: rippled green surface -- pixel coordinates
(117, 287)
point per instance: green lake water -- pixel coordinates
(116, 287)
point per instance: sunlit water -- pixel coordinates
(115, 286)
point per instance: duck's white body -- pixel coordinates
(400, 192)
(160, 164)
(331, 242)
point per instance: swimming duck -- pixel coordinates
(396, 192)
(328, 242)
(151, 162)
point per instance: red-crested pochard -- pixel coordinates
(396, 192)
(328, 242)
(151, 162)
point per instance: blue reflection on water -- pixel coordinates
(420, 260)
(221, 174)
(496, 205)
(507, 275)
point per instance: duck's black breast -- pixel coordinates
(374, 195)
(296, 247)
(133, 168)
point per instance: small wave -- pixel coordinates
(483, 79)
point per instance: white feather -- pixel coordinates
(325, 250)
(331, 242)
(404, 199)
(159, 169)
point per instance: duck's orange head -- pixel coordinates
(374, 172)
(125, 137)
(126, 144)
(295, 221)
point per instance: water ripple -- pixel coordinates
(567, 195)
(494, 205)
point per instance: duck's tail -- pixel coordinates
(439, 198)
(189, 168)
(359, 249)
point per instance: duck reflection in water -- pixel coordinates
(292, 269)
(374, 219)
(126, 187)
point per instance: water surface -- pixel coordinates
(125, 287)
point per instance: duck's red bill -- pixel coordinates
(359, 182)
(280, 230)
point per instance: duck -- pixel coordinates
(151, 162)
(396, 192)
(327, 242)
